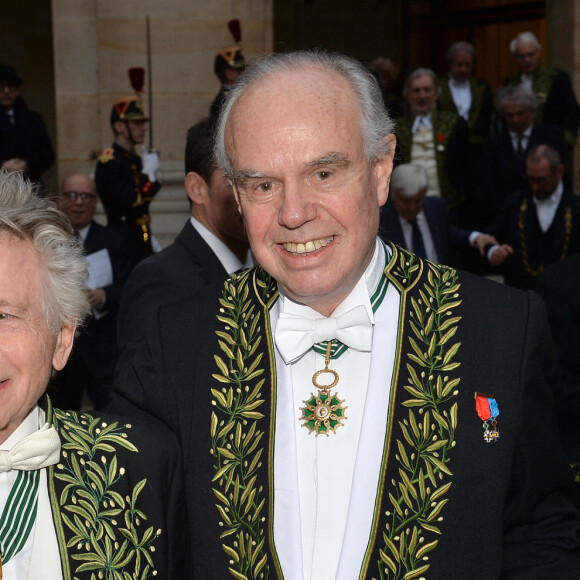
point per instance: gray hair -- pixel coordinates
(524, 37)
(27, 216)
(546, 152)
(516, 95)
(375, 121)
(459, 47)
(409, 179)
(421, 72)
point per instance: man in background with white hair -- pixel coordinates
(422, 224)
(557, 103)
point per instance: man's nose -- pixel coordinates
(297, 206)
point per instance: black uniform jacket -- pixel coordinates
(449, 504)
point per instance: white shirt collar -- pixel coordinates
(421, 120)
(84, 233)
(459, 84)
(553, 199)
(228, 259)
(360, 294)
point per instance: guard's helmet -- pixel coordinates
(231, 57)
(128, 109)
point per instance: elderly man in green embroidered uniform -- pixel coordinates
(557, 103)
(81, 496)
(346, 409)
(436, 140)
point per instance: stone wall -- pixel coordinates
(97, 41)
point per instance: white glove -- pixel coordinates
(151, 164)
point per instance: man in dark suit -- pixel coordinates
(557, 103)
(427, 475)
(539, 224)
(437, 140)
(93, 360)
(24, 143)
(466, 95)
(421, 223)
(508, 149)
(212, 245)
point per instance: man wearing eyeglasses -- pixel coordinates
(93, 359)
(557, 103)
(539, 224)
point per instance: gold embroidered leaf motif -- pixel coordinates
(235, 431)
(95, 506)
(423, 449)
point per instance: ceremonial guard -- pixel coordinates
(228, 65)
(127, 182)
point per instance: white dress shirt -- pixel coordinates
(325, 487)
(525, 138)
(425, 232)
(461, 93)
(546, 208)
(228, 259)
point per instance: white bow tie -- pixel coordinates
(296, 334)
(40, 449)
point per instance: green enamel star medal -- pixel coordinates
(324, 412)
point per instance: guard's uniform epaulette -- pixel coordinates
(106, 155)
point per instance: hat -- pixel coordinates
(231, 57)
(7, 73)
(128, 109)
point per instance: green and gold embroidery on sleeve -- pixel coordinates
(417, 497)
(238, 426)
(105, 532)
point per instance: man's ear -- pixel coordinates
(64, 343)
(383, 169)
(196, 188)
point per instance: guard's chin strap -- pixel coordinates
(130, 133)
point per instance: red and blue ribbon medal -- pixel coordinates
(488, 411)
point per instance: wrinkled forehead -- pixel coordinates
(312, 97)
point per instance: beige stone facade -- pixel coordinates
(97, 41)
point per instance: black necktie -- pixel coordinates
(520, 151)
(417, 239)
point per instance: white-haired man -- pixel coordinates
(325, 399)
(81, 495)
(557, 103)
(422, 224)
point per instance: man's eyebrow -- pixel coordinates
(242, 176)
(335, 158)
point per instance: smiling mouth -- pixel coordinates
(307, 248)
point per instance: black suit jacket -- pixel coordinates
(117, 498)
(96, 343)
(489, 510)
(26, 139)
(506, 171)
(175, 273)
(556, 98)
(540, 249)
(447, 237)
